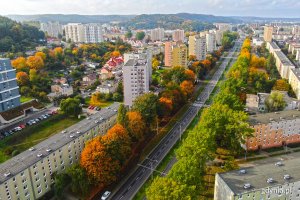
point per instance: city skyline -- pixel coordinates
(262, 8)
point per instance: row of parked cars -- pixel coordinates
(94, 108)
(28, 123)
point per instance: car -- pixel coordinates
(97, 108)
(10, 132)
(33, 121)
(115, 110)
(48, 115)
(6, 133)
(54, 112)
(18, 128)
(40, 118)
(105, 195)
(29, 123)
(44, 116)
(22, 126)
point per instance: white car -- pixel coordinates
(105, 195)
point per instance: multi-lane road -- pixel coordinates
(130, 187)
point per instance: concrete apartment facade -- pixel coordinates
(211, 43)
(179, 55)
(197, 47)
(9, 89)
(136, 76)
(276, 178)
(53, 29)
(157, 34)
(268, 32)
(274, 130)
(84, 33)
(29, 174)
(178, 35)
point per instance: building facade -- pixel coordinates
(29, 174)
(211, 43)
(274, 130)
(84, 33)
(74, 32)
(268, 32)
(157, 34)
(178, 35)
(53, 29)
(137, 72)
(179, 55)
(9, 89)
(197, 47)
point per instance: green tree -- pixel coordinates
(60, 182)
(122, 117)
(79, 182)
(128, 35)
(229, 99)
(71, 106)
(169, 189)
(275, 102)
(140, 35)
(146, 104)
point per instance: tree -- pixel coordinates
(275, 102)
(281, 85)
(35, 62)
(187, 88)
(19, 63)
(229, 99)
(128, 35)
(146, 104)
(155, 63)
(60, 182)
(190, 75)
(33, 75)
(136, 125)
(95, 99)
(115, 54)
(22, 78)
(98, 162)
(165, 106)
(41, 54)
(140, 35)
(79, 182)
(71, 106)
(169, 189)
(122, 117)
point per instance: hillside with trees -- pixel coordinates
(17, 37)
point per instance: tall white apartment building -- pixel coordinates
(84, 33)
(178, 35)
(53, 29)
(29, 175)
(197, 47)
(219, 37)
(223, 26)
(137, 72)
(157, 34)
(211, 44)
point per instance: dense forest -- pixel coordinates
(17, 37)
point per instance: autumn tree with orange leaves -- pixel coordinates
(35, 62)
(22, 78)
(136, 125)
(187, 88)
(19, 63)
(165, 106)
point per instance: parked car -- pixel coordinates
(18, 128)
(105, 195)
(22, 126)
(40, 118)
(54, 112)
(37, 120)
(10, 132)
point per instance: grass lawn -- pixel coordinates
(101, 105)
(25, 99)
(31, 136)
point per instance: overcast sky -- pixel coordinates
(263, 8)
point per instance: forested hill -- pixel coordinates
(17, 37)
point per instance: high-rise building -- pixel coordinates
(197, 47)
(274, 178)
(219, 37)
(53, 29)
(211, 43)
(9, 89)
(157, 34)
(175, 54)
(268, 32)
(179, 55)
(137, 73)
(84, 33)
(178, 35)
(223, 26)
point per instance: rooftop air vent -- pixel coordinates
(286, 177)
(7, 174)
(278, 164)
(40, 155)
(247, 185)
(242, 171)
(71, 136)
(48, 150)
(31, 149)
(270, 180)
(271, 119)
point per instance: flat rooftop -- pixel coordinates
(296, 71)
(266, 118)
(28, 158)
(136, 62)
(283, 58)
(259, 171)
(274, 45)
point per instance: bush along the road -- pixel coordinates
(223, 124)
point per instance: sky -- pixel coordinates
(260, 8)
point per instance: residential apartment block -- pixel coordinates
(273, 178)
(178, 35)
(211, 42)
(223, 26)
(197, 47)
(29, 174)
(286, 68)
(157, 34)
(175, 54)
(53, 29)
(83, 33)
(274, 130)
(137, 72)
(9, 89)
(268, 32)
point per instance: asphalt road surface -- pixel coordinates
(131, 186)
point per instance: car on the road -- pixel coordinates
(105, 195)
